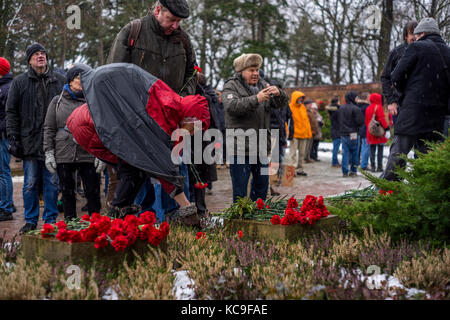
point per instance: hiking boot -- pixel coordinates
(301, 173)
(27, 228)
(132, 209)
(273, 192)
(345, 175)
(335, 165)
(352, 174)
(5, 216)
(113, 212)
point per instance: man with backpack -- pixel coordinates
(157, 44)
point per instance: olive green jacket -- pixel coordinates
(243, 111)
(163, 56)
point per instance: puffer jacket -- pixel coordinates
(58, 139)
(376, 101)
(243, 111)
(302, 126)
(332, 111)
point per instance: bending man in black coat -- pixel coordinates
(424, 83)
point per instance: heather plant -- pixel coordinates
(430, 272)
(415, 208)
(149, 277)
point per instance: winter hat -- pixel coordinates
(179, 8)
(76, 69)
(35, 47)
(247, 60)
(4, 66)
(428, 25)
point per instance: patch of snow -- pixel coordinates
(110, 294)
(183, 287)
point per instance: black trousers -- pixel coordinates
(376, 149)
(314, 150)
(67, 184)
(130, 182)
(403, 145)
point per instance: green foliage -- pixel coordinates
(244, 208)
(418, 208)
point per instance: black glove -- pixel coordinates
(15, 147)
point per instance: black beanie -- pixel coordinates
(77, 69)
(35, 47)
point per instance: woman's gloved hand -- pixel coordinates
(50, 162)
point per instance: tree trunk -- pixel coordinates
(100, 49)
(385, 34)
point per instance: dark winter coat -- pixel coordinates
(215, 108)
(363, 105)
(242, 109)
(58, 139)
(332, 111)
(278, 120)
(5, 84)
(389, 92)
(349, 115)
(28, 100)
(164, 56)
(425, 88)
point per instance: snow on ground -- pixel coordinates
(110, 294)
(183, 287)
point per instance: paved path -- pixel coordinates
(321, 180)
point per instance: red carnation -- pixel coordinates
(101, 241)
(63, 235)
(292, 203)
(240, 234)
(164, 228)
(260, 204)
(95, 217)
(275, 219)
(285, 221)
(46, 230)
(200, 235)
(61, 225)
(120, 243)
(155, 237)
(147, 217)
(75, 236)
(86, 217)
(89, 234)
(198, 69)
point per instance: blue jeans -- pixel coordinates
(349, 154)
(6, 185)
(155, 198)
(240, 173)
(35, 170)
(336, 145)
(365, 153)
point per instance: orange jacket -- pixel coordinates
(302, 127)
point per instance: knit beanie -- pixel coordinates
(35, 47)
(77, 69)
(247, 60)
(4, 66)
(428, 25)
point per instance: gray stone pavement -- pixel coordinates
(321, 180)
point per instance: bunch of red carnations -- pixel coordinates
(312, 210)
(119, 233)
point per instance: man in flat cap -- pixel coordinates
(423, 79)
(157, 44)
(26, 108)
(247, 100)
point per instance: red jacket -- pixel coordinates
(166, 107)
(376, 100)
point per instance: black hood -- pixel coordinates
(6, 78)
(350, 97)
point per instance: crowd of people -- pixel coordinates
(117, 120)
